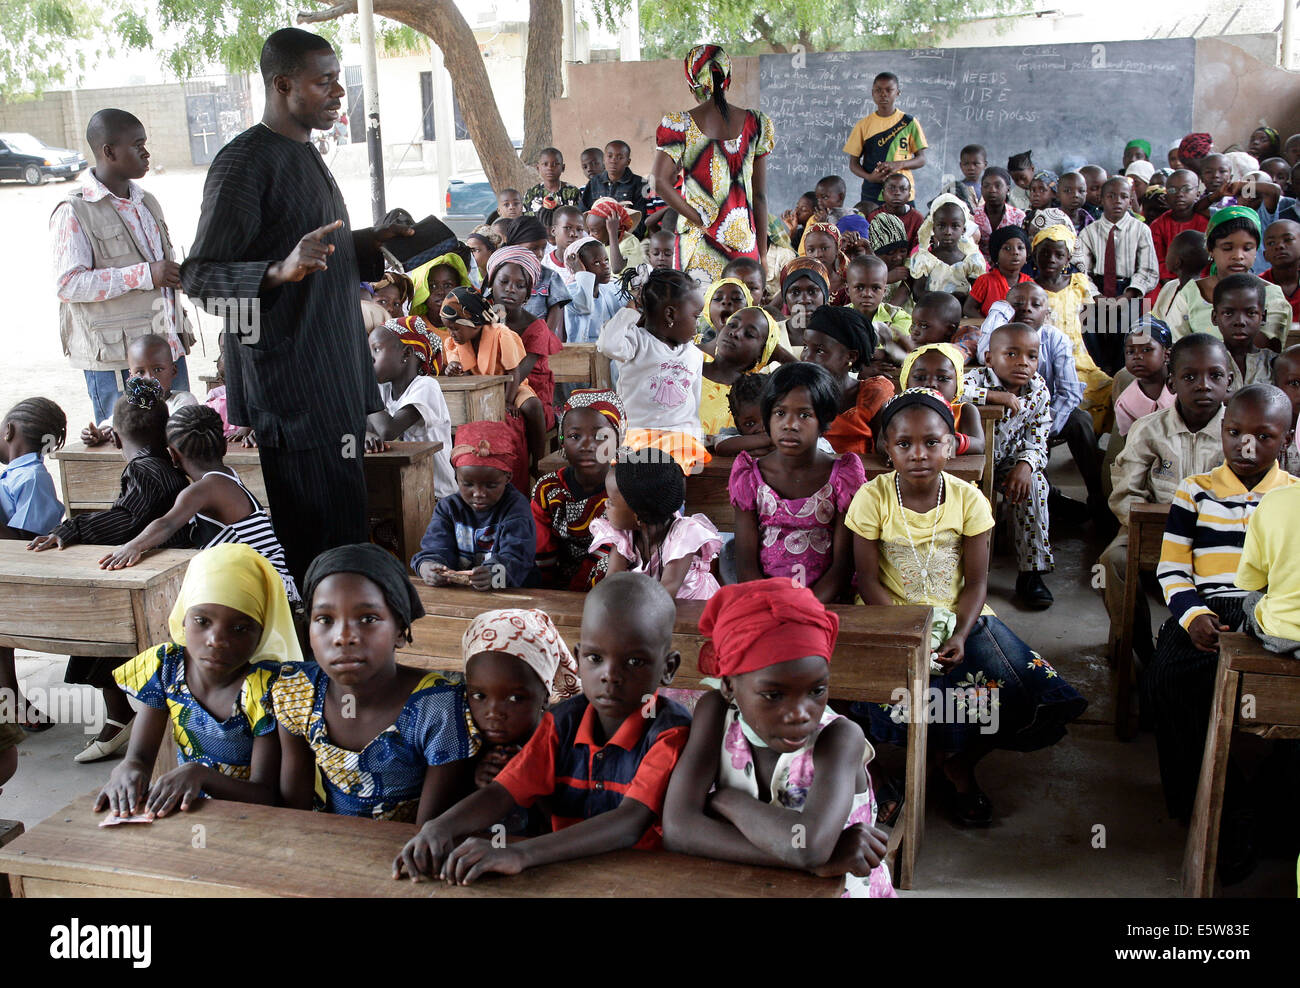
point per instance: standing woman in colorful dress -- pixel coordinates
(720, 150)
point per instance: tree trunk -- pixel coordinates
(543, 68)
(442, 22)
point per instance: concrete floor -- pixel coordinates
(1049, 805)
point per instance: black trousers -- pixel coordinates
(1078, 435)
(317, 500)
(1178, 689)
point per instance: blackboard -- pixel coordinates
(1084, 100)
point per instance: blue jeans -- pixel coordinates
(105, 387)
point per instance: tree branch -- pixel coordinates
(767, 33)
(328, 14)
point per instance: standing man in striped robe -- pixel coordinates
(275, 255)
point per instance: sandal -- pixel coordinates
(97, 749)
(36, 721)
(969, 809)
(889, 802)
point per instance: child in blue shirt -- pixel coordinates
(595, 298)
(483, 535)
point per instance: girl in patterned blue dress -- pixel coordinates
(363, 735)
(231, 629)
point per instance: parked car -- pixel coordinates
(470, 201)
(32, 160)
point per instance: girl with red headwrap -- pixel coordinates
(779, 757)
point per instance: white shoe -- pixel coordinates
(97, 750)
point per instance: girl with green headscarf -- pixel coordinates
(432, 281)
(1232, 238)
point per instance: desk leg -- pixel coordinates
(912, 821)
(416, 502)
(1125, 730)
(1201, 854)
(150, 609)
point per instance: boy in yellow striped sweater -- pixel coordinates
(1198, 566)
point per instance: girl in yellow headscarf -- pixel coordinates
(939, 366)
(230, 629)
(720, 301)
(746, 344)
(1067, 293)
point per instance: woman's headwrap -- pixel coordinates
(377, 565)
(1155, 328)
(1141, 145)
(1042, 219)
(1001, 235)
(572, 250)
(142, 392)
(773, 336)
(700, 63)
(605, 403)
(485, 444)
(970, 237)
(886, 232)
(806, 267)
(1141, 170)
(522, 256)
(750, 626)
(1273, 137)
(524, 230)
(846, 326)
(926, 397)
(854, 223)
(421, 275)
(466, 307)
(403, 284)
(627, 218)
(1242, 164)
(1222, 216)
(530, 636)
(1194, 147)
(949, 351)
(236, 575)
(1047, 177)
(488, 235)
(1062, 233)
(713, 290)
(413, 332)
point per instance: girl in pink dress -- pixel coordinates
(646, 530)
(790, 503)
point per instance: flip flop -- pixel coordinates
(36, 721)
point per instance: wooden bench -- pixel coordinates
(1255, 691)
(880, 650)
(1146, 534)
(579, 363)
(399, 485)
(264, 851)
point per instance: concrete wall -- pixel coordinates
(1237, 92)
(59, 118)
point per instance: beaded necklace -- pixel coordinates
(923, 567)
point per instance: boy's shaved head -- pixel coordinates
(1268, 400)
(633, 599)
(1197, 343)
(1012, 330)
(107, 126)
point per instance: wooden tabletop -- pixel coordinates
(79, 565)
(267, 851)
(472, 382)
(398, 454)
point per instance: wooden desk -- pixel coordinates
(264, 851)
(989, 415)
(1246, 669)
(399, 485)
(1146, 533)
(579, 363)
(879, 650)
(474, 399)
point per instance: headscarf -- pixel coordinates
(713, 290)
(413, 332)
(530, 636)
(522, 256)
(1155, 328)
(927, 397)
(420, 279)
(854, 223)
(1047, 177)
(524, 230)
(830, 229)
(1222, 216)
(402, 282)
(1001, 235)
(970, 237)
(1065, 234)
(886, 232)
(606, 403)
(846, 326)
(572, 250)
(627, 218)
(806, 267)
(700, 63)
(143, 392)
(485, 444)
(750, 626)
(773, 337)
(1242, 164)
(949, 351)
(1194, 147)
(465, 307)
(1141, 145)
(236, 575)
(377, 565)
(1042, 219)
(1274, 137)
(1140, 169)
